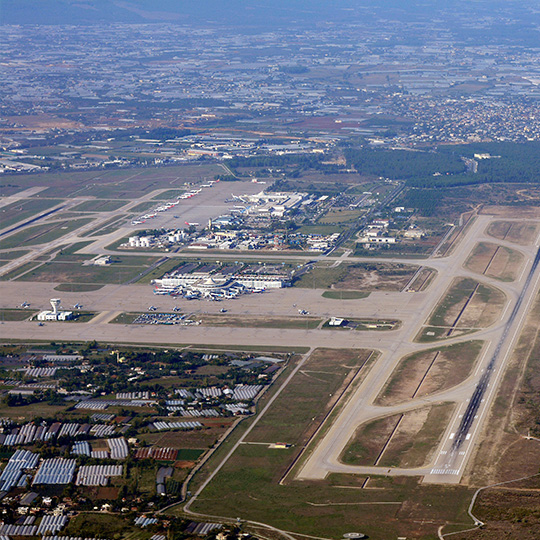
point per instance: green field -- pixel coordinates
(307, 323)
(168, 195)
(365, 324)
(73, 271)
(68, 253)
(12, 255)
(24, 209)
(100, 526)
(143, 207)
(42, 234)
(189, 454)
(77, 287)
(125, 318)
(29, 412)
(341, 216)
(16, 314)
(19, 270)
(345, 295)
(158, 272)
(82, 316)
(99, 205)
(291, 417)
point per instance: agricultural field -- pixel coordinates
(199, 440)
(128, 417)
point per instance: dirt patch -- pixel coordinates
(467, 305)
(505, 265)
(427, 372)
(109, 493)
(495, 261)
(523, 232)
(512, 211)
(416, 439)
(369, 440)
(508, 514)
(184, 464)
(407, 440)
(448, 311)
(389, 277)
(520, 459)
(422, 280)
(484, 308)
(44, 122)
(359, 277)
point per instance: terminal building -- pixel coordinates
(205, 285)
(55, 314)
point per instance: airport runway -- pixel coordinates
(412, 309)
(451, 459)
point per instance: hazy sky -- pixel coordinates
(249, 12)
